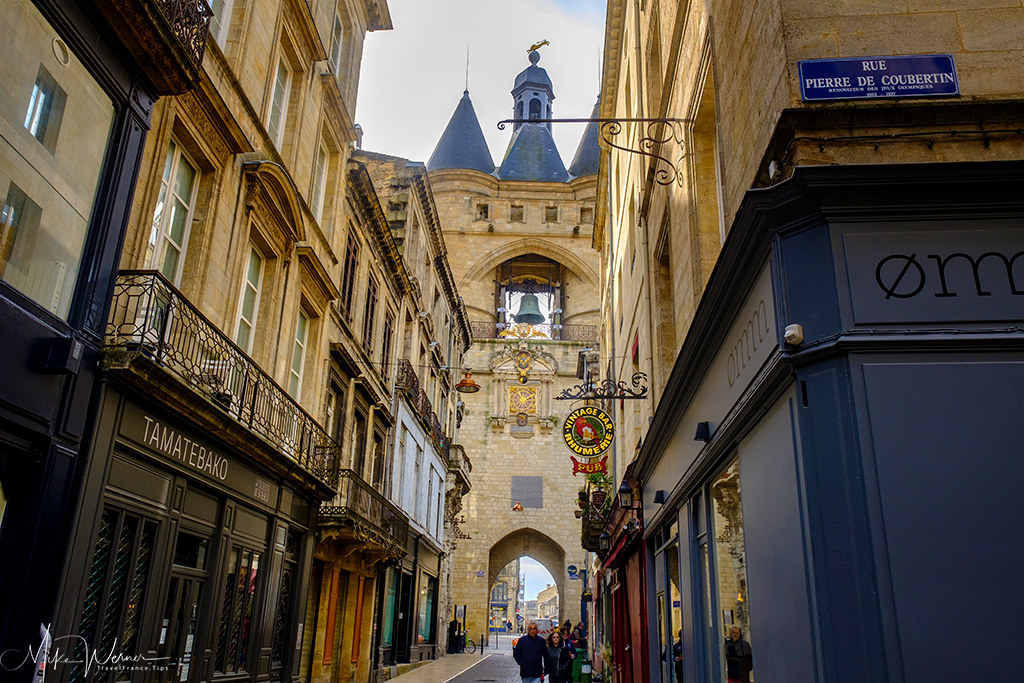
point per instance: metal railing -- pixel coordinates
(373, 515)
(190, 22)
(581, 333)
(407, 380)
(150, 315)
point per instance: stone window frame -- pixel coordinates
(512, 217)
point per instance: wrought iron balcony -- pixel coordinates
(372, 518)
(490, 330)
(407, 381)
(152, 318)
(167, 38)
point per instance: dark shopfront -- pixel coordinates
(854, 510)
(195, 561)
(407, 600)
(75, 110)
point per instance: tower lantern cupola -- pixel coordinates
(532, 94)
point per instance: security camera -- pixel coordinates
(794, 334)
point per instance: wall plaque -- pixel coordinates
(870, 77)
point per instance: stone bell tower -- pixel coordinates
(519, 241)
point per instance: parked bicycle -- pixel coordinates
(470, 646)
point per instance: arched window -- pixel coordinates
(519, 109)
(535, 108)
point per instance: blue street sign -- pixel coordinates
(870, 77)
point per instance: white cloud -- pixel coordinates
(413, 76)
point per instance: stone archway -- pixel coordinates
(535, 544)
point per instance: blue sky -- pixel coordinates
(537, 577)
(413, 76)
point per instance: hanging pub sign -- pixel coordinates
(588, 431)
(589, 467)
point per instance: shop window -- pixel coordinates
(220, 20)
(550, 214)
(115, 588)
(45, 110)
(172, 218)
(47, 206)
(369, 315)
(234, 636)
(298, 355)
(388, 616)
(735, 651)
(348, 277)
(428, 608)
(483, 212)
(517, 214)
(248, 306)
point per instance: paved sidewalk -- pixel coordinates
(443, 669)
(449, 667)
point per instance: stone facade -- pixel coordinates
(725, 75)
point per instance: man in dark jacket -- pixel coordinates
(529, 655)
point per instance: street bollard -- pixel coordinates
(481, 645)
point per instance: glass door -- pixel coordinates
(178, 627)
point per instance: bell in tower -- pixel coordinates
(529, 310)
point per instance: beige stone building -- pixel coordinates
(547, 603)
(265, 310)
(519, 232)
(779, 159)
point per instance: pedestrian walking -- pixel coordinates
(558, 660)
(529, 655)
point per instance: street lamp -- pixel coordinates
(625, 496)
(604, 541)
(467, 385)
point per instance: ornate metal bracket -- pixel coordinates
(607, 390)
(656, 132)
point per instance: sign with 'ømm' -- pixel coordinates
(869, 77)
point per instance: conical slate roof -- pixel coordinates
(532, 155)
(462, 145)
(588, 154)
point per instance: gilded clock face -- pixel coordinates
(524, 359)
(522, 399)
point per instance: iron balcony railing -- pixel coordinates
(151, 316)
(190, 23)
(373, 517)
(580, 333)
(407, 381)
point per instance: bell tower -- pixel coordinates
(532, 94)
(518, 239)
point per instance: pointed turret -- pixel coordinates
(532, 154)
(462, 145)
(588, 154)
